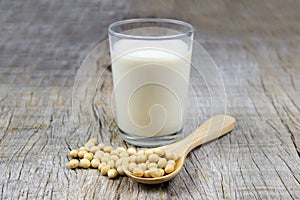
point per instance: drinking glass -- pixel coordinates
(151, 67)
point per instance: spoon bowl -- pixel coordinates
(165, 178)
(211, 129)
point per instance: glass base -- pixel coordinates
(151, 142)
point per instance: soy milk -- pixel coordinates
(150, 85)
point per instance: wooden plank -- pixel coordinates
(254, 44)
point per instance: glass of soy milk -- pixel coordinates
(151, 67)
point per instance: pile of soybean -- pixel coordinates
(112, 161)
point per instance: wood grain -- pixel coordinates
(255, 45)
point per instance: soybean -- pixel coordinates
(169, 168)
(88, 156)
(95, 163)
(131, 167)
(112, 173)
(119, 162)
(141, 158)
(123, 154)
(114, 152)
(82, 148)
(94, 149)
(81, 153)
(172, 162)
(142, 166)
(89, 145)
(159, 152)
(101, 165)
(120, 149)
(153, 158)
(152, 165)
(108, 148)
(98, 154)
(148, 152)
(104, 159)
(138, 172)
(120, 170)
(131, 151)
(104, 170)
(73, 163)
(132, 158)
(114, 157)
(93, 141)
(100, 146)
(74, 153)
(147, 174)
(169, 155)
(162, 163)
(155, 173)
(85, 163)
(111, 163)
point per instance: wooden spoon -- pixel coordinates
(213, 128)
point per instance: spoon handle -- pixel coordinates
(211, 129)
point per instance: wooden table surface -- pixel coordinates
(255, 44)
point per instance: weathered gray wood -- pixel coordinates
(254, 43)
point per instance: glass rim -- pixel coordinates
(141, 20)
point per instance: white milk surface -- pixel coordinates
(150, 85)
